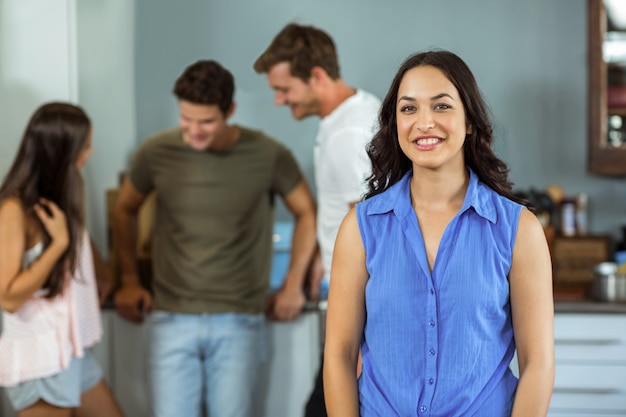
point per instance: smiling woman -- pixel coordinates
(441, 274)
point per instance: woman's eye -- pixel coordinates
(407, 108)
(442, 106)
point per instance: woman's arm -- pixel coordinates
(18, 285)
(345, 320)
(532, 308)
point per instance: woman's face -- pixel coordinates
(430, 119)
(84, 153)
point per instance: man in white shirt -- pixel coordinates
(302, 68)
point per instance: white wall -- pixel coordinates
(37, 64)
(106, 89)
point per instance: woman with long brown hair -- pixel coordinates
(48, 270)
(441, 273)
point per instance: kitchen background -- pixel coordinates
(119, 59)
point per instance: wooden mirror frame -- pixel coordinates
(602, 159)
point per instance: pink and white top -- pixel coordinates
(42, 337)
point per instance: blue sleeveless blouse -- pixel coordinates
(440, 343)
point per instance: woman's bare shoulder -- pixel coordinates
(12, 206)
(13, 216)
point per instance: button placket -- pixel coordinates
(431, 350)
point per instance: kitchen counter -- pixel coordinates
(589, 307)
(578, 306)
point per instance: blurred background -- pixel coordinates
(120, 58)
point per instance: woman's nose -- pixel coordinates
(424, 121)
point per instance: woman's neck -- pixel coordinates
(439, 190)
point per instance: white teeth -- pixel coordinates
(428, 141)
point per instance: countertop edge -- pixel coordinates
(591, 307)
(578, 307)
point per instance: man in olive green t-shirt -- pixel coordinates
(215, 185)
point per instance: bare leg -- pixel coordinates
(43, 409)
(98, 402)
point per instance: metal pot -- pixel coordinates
(608, 284)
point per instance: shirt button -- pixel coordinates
(431, 381)
(423, 409)
(432, 291)
(431, 323)
(432, 352)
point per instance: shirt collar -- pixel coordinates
(396, 199)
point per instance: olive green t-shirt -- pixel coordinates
(212, 238)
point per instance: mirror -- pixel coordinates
(607, 87)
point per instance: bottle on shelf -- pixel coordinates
(568, 216)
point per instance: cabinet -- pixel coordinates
(590, 365)
(607, 87)
(293, 363)
(128, 368)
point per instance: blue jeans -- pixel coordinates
(206, 359)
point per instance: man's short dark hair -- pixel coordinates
(206, 82)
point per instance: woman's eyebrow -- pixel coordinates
(436, 97)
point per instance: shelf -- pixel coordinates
(616, 111)
(603, 159)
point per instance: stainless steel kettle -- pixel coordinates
(609, 284)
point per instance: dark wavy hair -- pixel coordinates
(206, 82)
(45, 166)
(389, 163)
(303, 47)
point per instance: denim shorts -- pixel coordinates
(61, 390)
(210, 361)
